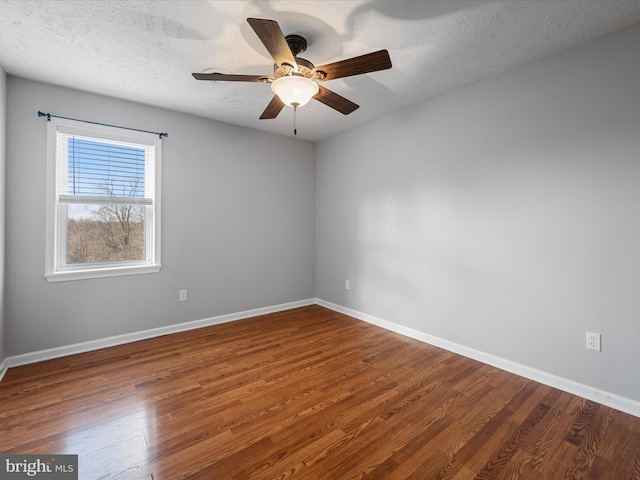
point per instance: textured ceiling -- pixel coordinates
(145, 51)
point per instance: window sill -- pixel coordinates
(103, 273)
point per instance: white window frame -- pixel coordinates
(56, 217)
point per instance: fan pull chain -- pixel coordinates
(295, 109)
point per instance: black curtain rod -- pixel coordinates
(48, 115)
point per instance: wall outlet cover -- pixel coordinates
(593, 341)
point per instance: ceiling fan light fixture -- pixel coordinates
(295, 90)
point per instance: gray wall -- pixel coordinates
(3, 123)
(504, 217)
(237, 224)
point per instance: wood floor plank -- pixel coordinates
(306, 394)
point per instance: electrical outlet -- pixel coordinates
(593, 341)
(183, 295)
(347, 285)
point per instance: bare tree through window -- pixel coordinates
(105, 232)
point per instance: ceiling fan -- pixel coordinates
(294, 81)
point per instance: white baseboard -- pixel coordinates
(4, 366)
(612, 400)
(57, 352)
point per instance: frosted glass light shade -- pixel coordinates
(294, 90)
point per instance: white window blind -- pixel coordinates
(92, 170)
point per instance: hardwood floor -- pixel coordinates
(306, 394)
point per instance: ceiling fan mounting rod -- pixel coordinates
(297, 44)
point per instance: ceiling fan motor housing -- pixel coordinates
(305, 69)
(297, 45)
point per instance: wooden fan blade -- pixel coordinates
(269, 33)
(371, 62)
(335, 101)
(226, 77)
(273, 109)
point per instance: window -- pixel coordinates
(103, 201)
